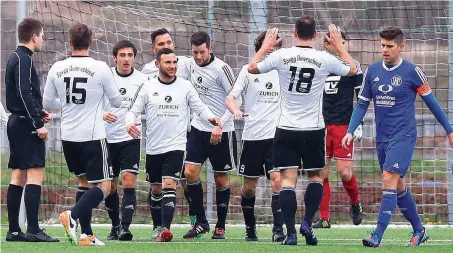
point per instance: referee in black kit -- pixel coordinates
(26, 133)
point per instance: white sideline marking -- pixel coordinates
(393, 226)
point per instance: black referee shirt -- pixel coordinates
(23, 94)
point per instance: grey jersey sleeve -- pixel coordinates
(240, 84)
(138, 107)
(110, 87)
(197, 105)
(226, 80)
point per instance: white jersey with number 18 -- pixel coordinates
(81, 84)
(302, 73)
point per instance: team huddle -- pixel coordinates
(298, 111)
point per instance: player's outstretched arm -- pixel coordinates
(110, 87)
(269, 41)
(137, 108)
(200, 108)
(335, 40)
(226, 80)
(232, 102)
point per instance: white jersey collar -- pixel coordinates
(394, 67)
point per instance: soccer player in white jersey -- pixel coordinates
(81, 82)
(300, 130)
(161, 39)
(213, 79)
(165, 100)
(124, 150)
(261, 96)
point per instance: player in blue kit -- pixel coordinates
(393, 85)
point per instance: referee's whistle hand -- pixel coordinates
(42, 133)
(133, 131)
(346, 141)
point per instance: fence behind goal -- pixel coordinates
(233, 26)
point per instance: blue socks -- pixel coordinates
(388, 205)
(408, 208)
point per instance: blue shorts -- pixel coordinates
(395, 156)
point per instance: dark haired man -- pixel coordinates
(261, 96)
(26, 133)
(124, 150)
(337, 110)
(213, 79)
(161, 39)
(393, 85)
(165, 101)
(81, 82)
(300, 130)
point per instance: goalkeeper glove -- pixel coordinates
(358, 132)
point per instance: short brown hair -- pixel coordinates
(259, 41)
(343, 35)
(124, 44)
(199, 38)
(164, 51)
(27, 28)
(392, 33)
(80, 35)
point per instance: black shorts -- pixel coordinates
(223, 156)
(166, 165)
(125, 156)
(256, 159)
(291, 146)
(90, 159)
(27, 150)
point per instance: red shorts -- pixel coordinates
(335, 134)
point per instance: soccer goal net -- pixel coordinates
(233, 26)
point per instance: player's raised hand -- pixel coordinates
(450, 139)
(109, 117)
(271, 38)
(346, 141)
(46, 116)
(335, 38)
(216, 135)
(133, 130)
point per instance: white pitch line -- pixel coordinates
(150, 226)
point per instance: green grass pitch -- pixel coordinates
(331, 240)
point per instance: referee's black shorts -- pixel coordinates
(27, 150)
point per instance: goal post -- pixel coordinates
(233, 26)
